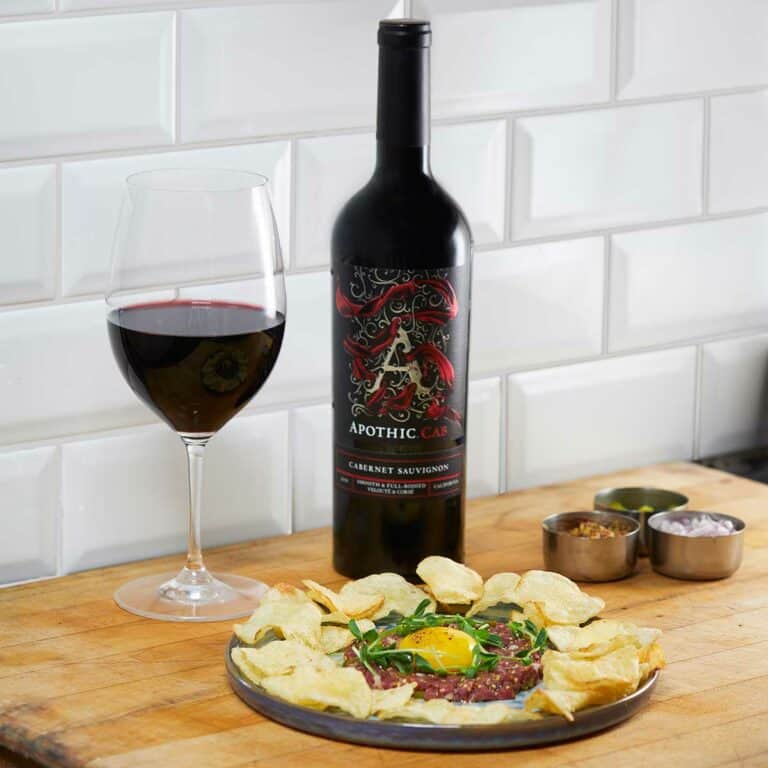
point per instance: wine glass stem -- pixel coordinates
(195, 458)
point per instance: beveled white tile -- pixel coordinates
(688, 281)
(312, 440)
(58, 375)
(14, 7)
(125, 496)
(502, 55)
(469, 160)
(606, 167)
(734, 395)
(303, 370)
(27, 233)
(277, 67)
(536, 304)
(29, 487)
(92, 193)
(330, 170)
(677, 46)
(247, 488)
(588, 418)
(738, 161)
(86, 84)
(483, 434)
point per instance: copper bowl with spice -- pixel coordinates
(590, 546)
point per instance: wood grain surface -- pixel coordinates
(84, 684)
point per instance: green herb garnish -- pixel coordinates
(373, 652)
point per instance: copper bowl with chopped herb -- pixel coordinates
(640, 503)
(590, 546)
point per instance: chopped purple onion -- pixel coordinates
(700, 525)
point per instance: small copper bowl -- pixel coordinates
(584, 559)
(633, 499)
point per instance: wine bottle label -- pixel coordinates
(400, 338)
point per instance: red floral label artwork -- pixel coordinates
(398, 342)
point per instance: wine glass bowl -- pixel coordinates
(195, 317)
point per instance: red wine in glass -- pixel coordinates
(195, 314)
(195, 363)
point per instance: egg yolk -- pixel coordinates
(443, 648)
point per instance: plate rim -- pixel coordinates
(392, 733)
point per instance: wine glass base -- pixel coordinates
(161, 596)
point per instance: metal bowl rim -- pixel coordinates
(634, 525)
(644, 489)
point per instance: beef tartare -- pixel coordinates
(509, 663)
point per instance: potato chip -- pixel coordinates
(335, 617)
(290, 614)
(571, 684)
(443, 712)
(575, 638)
(556, 599)
(278, 658)
(334, 638)
(391, 698)
(450, 582)
(355, 606)
(500, 588)
(341, 687)
(400, 596)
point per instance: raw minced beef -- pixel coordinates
(505, 681)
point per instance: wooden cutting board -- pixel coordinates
(84, 684)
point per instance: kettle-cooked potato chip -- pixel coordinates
(356, 606)
(570, 684)
(278, 658)
(500, 588)
(341, 687)
(334, 638)
(575, 638)
(443, 712)
(450, 582)
(556, 599)
(391, 698)
(400, 596)
(290, 614)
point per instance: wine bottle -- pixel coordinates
(401, 261)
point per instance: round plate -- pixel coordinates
(425, 736)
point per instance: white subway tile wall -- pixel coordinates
(734, 395)
(78, 85)
(27, 233)
(697, 280)
(738, 176)
(613, 170)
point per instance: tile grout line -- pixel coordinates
(607, 273)
(613, 67)
(509, 136)
(697, 389)
(58, 246)
(59, 515)
(503, 433)
(176, 77)
(291, 467)
(293, 218)
(705, 153)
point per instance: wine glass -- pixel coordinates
(195, 315)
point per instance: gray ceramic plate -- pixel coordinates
(443, 738)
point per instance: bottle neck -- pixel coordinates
(402, 122)
(402, 161)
